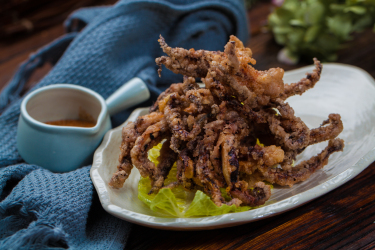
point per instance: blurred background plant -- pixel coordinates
(250, 3)
(318, 28)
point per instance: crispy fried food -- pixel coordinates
(305, 83)
(130, 133)
(211, 133)
(302, 171)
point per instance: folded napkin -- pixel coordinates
(40, 209)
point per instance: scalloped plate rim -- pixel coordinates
(232, 219)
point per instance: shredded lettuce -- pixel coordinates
(177, 202)
(259, 143)
(277, 111)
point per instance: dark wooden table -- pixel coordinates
(343, 218)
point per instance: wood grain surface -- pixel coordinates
(341, 219)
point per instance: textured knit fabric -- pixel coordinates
(40, 209)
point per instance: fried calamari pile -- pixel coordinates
(212, 132)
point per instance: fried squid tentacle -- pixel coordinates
(179, 88)
(229, 160)
(230, 138)
(302, 171)
(179, 127)
(329, 129)
(304, 84)
(255, 197)
(166, 160)
(299, 134)
(239, 189)
(211, 137)
(207, 178)
(256, 156)
(129, 135)
(150, 138)
(194, 63)
(185, 170)
(164, 97)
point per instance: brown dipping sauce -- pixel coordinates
(74, 123)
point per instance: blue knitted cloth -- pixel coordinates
(40, 209)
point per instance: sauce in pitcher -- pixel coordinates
(74, 123)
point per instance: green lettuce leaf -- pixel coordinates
(202, 205)
(177, 202)
(166, 202)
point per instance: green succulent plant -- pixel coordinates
(318, 28)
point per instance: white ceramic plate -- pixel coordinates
(342, 89)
